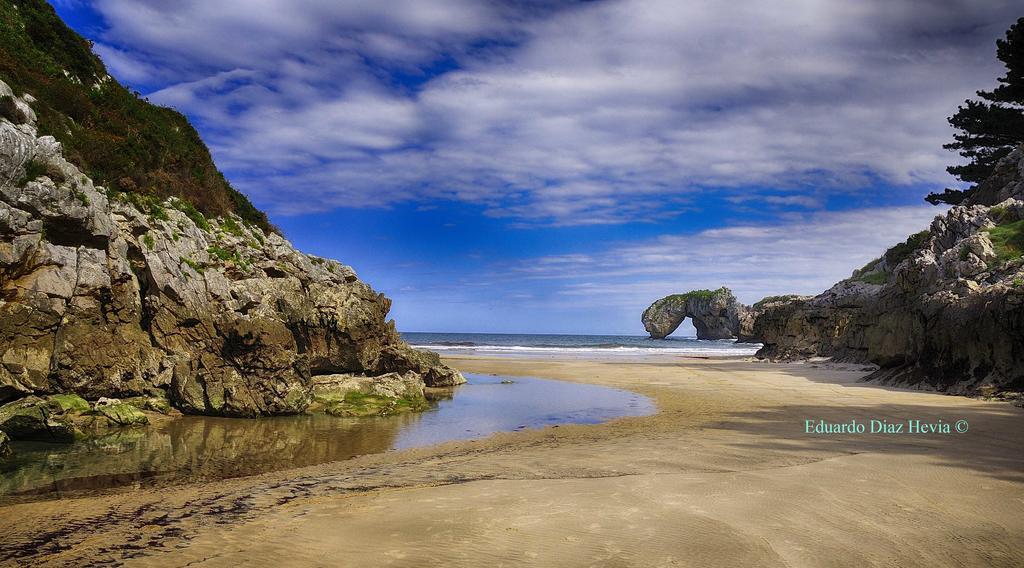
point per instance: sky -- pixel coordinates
(554, 167)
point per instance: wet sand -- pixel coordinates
(722, 475)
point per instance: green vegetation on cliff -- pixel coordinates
(1007, 240)
(902, 251)
(896, 254)
(119, 139)
(775, 299)
(701, 294)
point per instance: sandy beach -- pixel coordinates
(723, 474)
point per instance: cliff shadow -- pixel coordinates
(992, 443)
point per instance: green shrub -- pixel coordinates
(1018, 282)
(997, 212)
(1007, 240)
(158, 213)
(82, 198)
(702, 294)
(33, 170)
(225, 255)
(866, 268)
(965, 252)
(192, 213)
(149, 205)
(902, 251)
(192, 264)
(148, 239)
(231, 227)
(874, 278)
(773, 299)
(221, 253)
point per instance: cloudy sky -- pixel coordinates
(555, 166)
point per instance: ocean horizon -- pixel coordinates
(553, 343)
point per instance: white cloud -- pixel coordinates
(604, 288)
(805, 255)
(595, 113)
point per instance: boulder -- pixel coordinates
(121, 413)
(401, 358)
(33, 418)
(68, 403)
(355, 395)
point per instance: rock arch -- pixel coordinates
(715, 313)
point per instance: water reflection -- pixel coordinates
(489, 404)
(196, 448)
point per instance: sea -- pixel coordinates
(524, 344)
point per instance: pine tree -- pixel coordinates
(992, 127)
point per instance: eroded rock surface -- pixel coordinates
(715, 313)
(113, 295)
(945, 310)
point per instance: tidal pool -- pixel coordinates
(194, 448)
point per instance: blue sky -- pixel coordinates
(556, 166)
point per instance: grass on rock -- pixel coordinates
(902, 251)
(774, 299)
(702, 294)
(33, 170)
(1007, 240)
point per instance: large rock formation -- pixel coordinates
(944, 310)
(715, 313)
(107, 294)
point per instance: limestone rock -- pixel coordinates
(715, 313)
(399, 358)
(5, 445)
(948, 316)
(116, 295)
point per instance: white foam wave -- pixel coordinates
(746, 350)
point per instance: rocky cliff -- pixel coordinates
(118, 137)
(943, 310)
(715, 313)
(109, 294)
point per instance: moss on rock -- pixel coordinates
(123, 414)
(32, 418)
(68, 403)
(362, 404)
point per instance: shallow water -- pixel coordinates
(194, 448)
